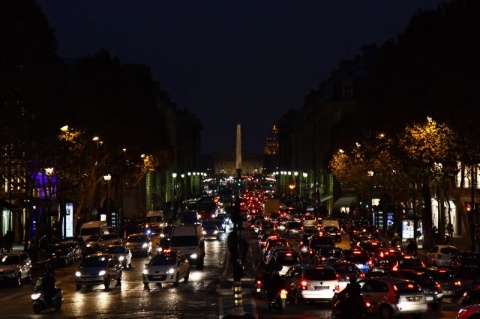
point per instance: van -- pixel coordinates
(189, 238)
(154, 221)
(331, 222)
(96, 227)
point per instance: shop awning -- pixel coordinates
(345, 202)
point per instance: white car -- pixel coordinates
(441, 255)
(166, 267)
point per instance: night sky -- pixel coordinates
(228, 61)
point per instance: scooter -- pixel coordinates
(342, 310)
(279, 302)
(40, 301)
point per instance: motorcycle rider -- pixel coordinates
(273, 285)
(352, 295)
(48, 282)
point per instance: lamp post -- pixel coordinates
(108, 178)
(174, 200)
(304, 182)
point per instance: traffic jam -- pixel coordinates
(348, 265)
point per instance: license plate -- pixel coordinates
(429, 298)
(157, 277)
(414, 298)
(321, 287)
(447, 292)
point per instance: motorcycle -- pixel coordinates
(343, 310)
(279, 302)
(41, 302)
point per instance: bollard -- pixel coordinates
(237, 299)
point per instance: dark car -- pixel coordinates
(210, 229)
(333, 232)
(66, 253)
(431, 288)
(466, 264)
(449, 283)
(319, 241)
(408, 262)
(327, 254)
(293, 229)
(359, 257)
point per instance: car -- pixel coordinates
(97, 269)
(327, 254)
(293, 229)
(359, 257)
(388, 296)
(319, 241)
(430, 287)
(344, 271)
(166, 267)
(303, 243)
(408, 262)
(274, 242)
(469, 312)
(333, 232)
(285, 259)
(466, 264)
(310, 222)
(210, 229)
(122, 252)
(221, 223)
(277, 249)
(311, 283)
(15, 267)
(139, 244)
(97, 243)
(441, 255)
(450, 285)
(65, 253)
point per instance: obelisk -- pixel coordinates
(238, 162)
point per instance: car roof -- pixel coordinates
(391, 280)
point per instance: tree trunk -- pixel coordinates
(427, 215)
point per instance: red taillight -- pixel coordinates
(304, 284)
(439, 288)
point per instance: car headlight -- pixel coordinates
(145, 271)
(102, 273)
(215, 232)
(204, 232)
(462, 310)
(89, 245)
(78, 274)
(193, 256)
(171, 271)
(145, 245)
(121, 258)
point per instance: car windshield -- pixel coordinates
(9, 260)
(183, 241)
(330, 229)
(407, 287)
(327, 252)
(320, 274)
(90, 231)
(137, 239)
(343, 269)
(93, 238)
(294, 225)
(97, 261)
(163, 259)
(410, 262)
(449, 250)
(321, 241)
(444, 275)
(288, 259)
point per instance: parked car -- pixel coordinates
(97, 269)
(311, 283)
(139, 244)
(441, 255)
(466, 264)
(389, 296)
(123, 254)
(15, 267)
(166, 267)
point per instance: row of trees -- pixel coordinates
(426, 155)
(115, 113)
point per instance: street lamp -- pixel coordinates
(108, 178)
(174, 176)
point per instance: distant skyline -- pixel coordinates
(230, 62)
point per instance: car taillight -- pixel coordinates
(362, 275)
(337, 288)
(304, 284)
(439, 288)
